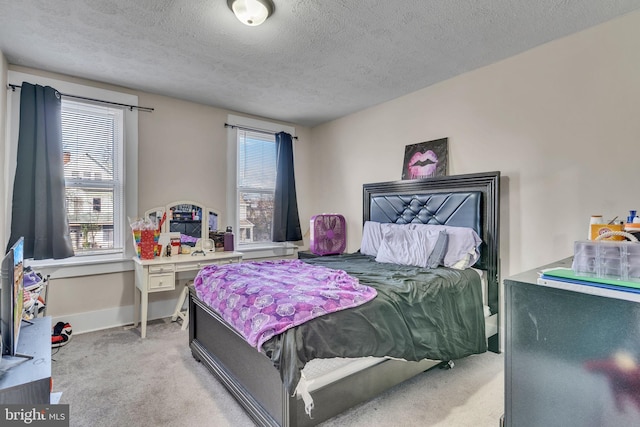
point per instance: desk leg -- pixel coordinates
(143, 320)
(136, 306)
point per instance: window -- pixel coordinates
(105, 246)
(92, 141)
(251, 155)
(256, 182)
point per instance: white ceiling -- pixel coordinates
(311, 62)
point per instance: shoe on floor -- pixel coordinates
(61, 334)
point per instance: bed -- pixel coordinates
(470, 200)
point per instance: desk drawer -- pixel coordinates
(165, 268)
(162, 282)
(197, 265)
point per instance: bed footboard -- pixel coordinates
(246, 373)
(255, 382)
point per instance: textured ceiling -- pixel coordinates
(311, 62)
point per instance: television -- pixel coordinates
(11, 297)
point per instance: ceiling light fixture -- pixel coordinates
(251, 12)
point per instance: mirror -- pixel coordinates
(155, 214)
(213, 230)
(213, 224)
(190, 219)
(185, 218)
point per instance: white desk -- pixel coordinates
(160, 274)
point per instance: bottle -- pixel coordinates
(595, 219)
(228, 239)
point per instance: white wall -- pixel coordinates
(559, 121)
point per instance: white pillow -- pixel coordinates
(404, 246)
(462, 248)
(372, 236)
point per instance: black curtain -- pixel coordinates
(38, 213)
(286, 222)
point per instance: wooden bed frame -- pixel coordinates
(253, 380)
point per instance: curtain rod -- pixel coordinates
(130, 107)
(227, 125)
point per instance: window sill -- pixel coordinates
(117, 263)
(83, 266)
(256, 251)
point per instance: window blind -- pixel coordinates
(256, 186)
(92, 145)
(256, 160)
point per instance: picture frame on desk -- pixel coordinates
(165, 238)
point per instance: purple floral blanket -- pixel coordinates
(265, 298)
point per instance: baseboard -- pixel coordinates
(114, 317)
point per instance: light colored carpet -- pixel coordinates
(114, 378)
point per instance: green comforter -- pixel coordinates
(419, 313)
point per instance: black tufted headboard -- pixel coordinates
(470, 200)
(459, 209)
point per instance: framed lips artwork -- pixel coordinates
(425, 159)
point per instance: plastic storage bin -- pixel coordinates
(607, 259)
